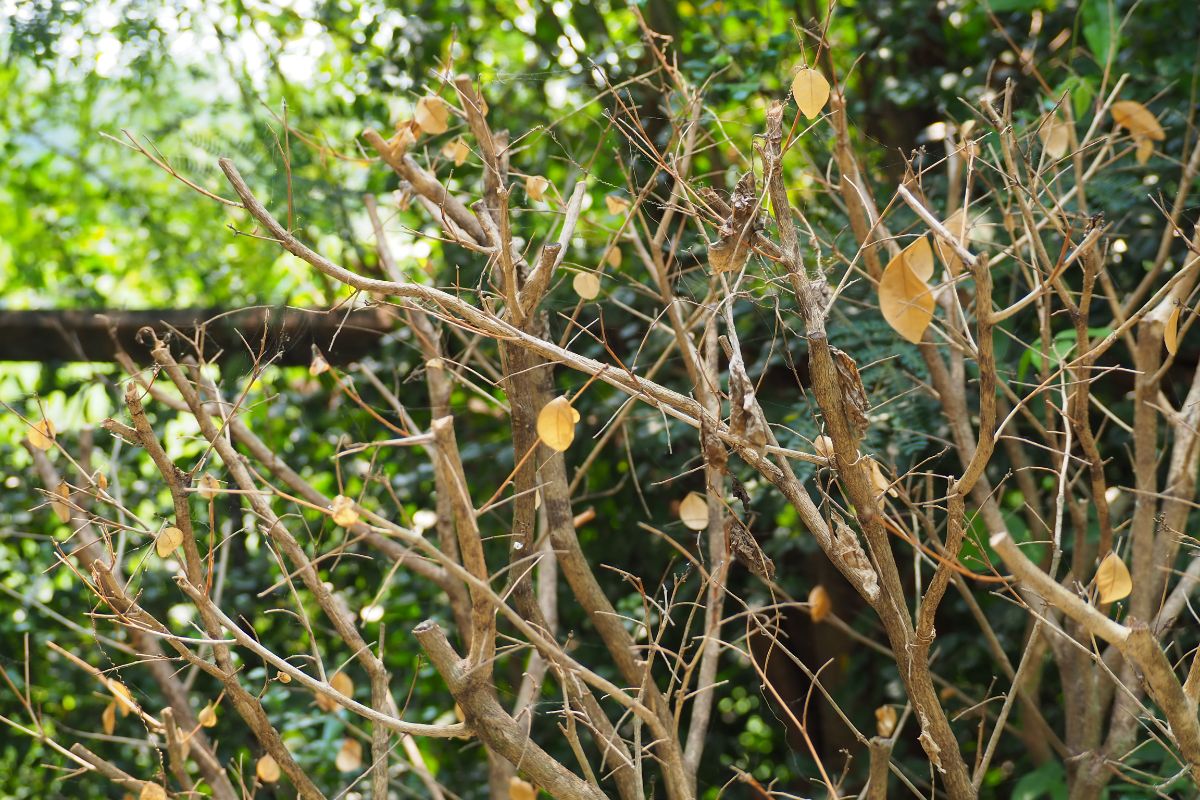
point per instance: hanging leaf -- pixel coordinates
(208, 716)
(885, 721)
(556, 424)
(318, 365)
(819, 603)
(108, 718)
(58, 502)
(124, 699)
(823, 446)
(403, 140)
(521, 790)
(41, 434)
(344, 512)
(283, 677)
(1144, 149)
(586, 285)
(1138, 120)
(616, 204)
(693, 511)
(349, 757)
(456, 150)
(536, 186)
(209, 487)
(613, 257)
(432, 115)
(1171, 331)
(904, 296)
(267, 769)
(811, 91)
(1056, 137)
(168, 540)
(152, 791)
(958, 226)
(1112, 579)
(879, 480)
(101, 480)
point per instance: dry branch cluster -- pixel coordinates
(896, 543)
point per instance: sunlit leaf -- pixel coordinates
(536, 186)
(209, 487)
(432, 115)
(811, 91)
(456, 150)
(208, 716)
(167, 541)
(823, 446)
(108, 718)
(1144, 149)
(556, 424)
(904, 296)
(693, 511)
(58, 502)
(613, 258)
(152, 791)
(1113, 581)
(616, 204)
(124, 699)
(41, 434)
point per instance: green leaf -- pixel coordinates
(1047, 781)
(1099, 28)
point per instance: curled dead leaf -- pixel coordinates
(209, 487)
(1171, 331)
(556, 424)
(819, 603)
(350, 755)
(1138, 120)
(108, 718)
(521, 790)
(1144, 149)
(208, 716)
(267, 769)
(616, 204)
(58, 502)
(1056, 137)
(456, 150)
(124, 699)
(823, 446)
(152, 791)
(904, 296)
(344, 512)
(432, 115)
(885, 720)
(536, 186)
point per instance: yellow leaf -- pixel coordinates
(318, 365)
(432, 115)
(904, 295)
(267, 769)
(586, 285)
(556, 424)
(693, 511)
(536, 186)
(344, 513)
(957, 226)
(1171, 331)
(824, 446)
(1113, 580)
(209, 487)
(616, 204)
(456, 150)
(613, 258)
(283, 677)
(41, 434)
(152, 791)
(101, 480)
(879, 480)
(1145, 149)
(108, 718)
(342, 683)
(125, 702)
(885, 721)
(58, 503)
(1137, 119)
(811, 91)
(167, 541)
(521, 790)
(208, 716)
(1056, 137)
(819, 603)
(349, 757)
(404, 139)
